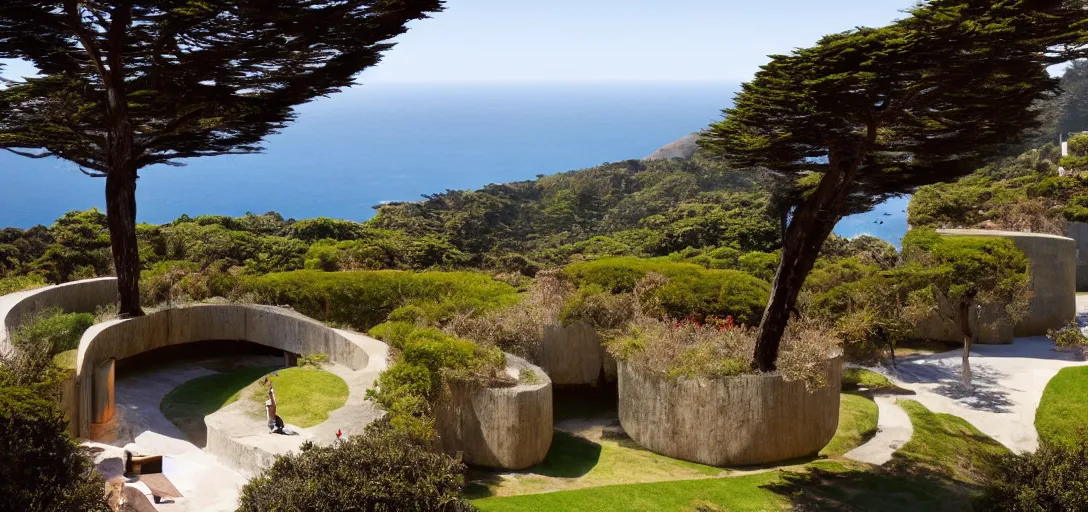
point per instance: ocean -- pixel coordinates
(394, 142)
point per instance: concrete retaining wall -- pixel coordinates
(76, 297)
(1078, 231)
(573, 355)
(274, 327)
(505, 428)
(1053, 264)
(733, 421)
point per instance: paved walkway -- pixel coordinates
(893, 431)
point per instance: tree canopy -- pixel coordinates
(132, 83)
(873, 113)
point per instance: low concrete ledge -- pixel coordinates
(733, 421)
(84, 296)
(504, 428)
(274, 327)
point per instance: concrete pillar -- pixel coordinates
(102, 401)
(290, 359)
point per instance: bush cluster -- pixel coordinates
(385, 470)
(1053, 479)
(365, 299)
(690, 290)
(53, 330)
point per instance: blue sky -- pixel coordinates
(611, 40)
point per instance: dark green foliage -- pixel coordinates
(80, 248)
(384, 470)
(691, 289)
(364, 299)
(19, 283)
(321, 228)
(41, 468)
(1053, 479)
(58, 331)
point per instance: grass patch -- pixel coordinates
(947, 445)
(574, 462)
(187, 405)
(1063, 410)
(304, 396)
(857, 423)
(854, 378)
(852, 486)
(744, 493)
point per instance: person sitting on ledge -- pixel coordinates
(275, 423)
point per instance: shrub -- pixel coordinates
(1068, 336)
(364, 299)
(697, 350)
(520, 328)
(603, 310)
(1054, 478)
(384, 470)
(19, 283)
(315, 360)
(58, 331)
(691, 289)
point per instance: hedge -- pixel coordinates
(364, 299)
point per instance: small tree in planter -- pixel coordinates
(965, 274)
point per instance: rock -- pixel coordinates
(682, 148)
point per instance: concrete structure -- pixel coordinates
(573, 355)
(1053, 266)
(505, 428)
(1078, 231)
(274, 327)
(995, 327)
(732, 421)
(76, 297)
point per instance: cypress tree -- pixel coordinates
(129, 84)
(873, 113)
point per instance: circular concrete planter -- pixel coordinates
(504, 428)
(572, 355)
(733, 421)
(76, 297)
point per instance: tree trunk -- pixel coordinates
(121, 218)
(968, 339)
(810, 226)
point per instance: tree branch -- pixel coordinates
(93, 174)
(28, 154)
(85, 39)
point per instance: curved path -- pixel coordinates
(893, 431)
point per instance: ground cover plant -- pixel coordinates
(857, 424)
(59, 331)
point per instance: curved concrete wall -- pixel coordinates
(505, 428)
(733, 421)
(1078, 231)
(76, 297)
(1053, 264)
(573, 355)
(274, 327)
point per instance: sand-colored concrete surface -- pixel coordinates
(572, 354)
(1007, 385)
(894, 429)
(501, 428)
(731, 421)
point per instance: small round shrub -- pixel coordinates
(1053, 479)
(58, 331)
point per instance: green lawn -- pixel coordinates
(304, 396)
(936, 471)
(854, 378)
(736, 494)
(947, 445)
(186, 405)
(1063, 410)
(857, 423)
